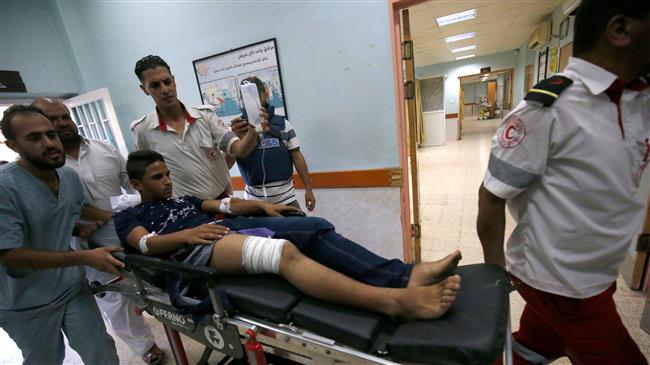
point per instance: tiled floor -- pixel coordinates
(449, 179)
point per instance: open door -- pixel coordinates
(492, 99)
(409, 85)
(95, 117)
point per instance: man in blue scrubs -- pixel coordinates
(43, 292)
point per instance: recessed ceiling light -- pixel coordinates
(460, 37)
(456, 17)
(464, 57)
(461, 49)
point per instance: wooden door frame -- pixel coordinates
(511, 70)
(394, 8)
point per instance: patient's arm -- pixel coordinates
(26, 258)
(159, 244)
(242, 207)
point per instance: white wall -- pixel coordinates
(335, 62)
(31, 44)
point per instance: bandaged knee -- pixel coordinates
(262, 255)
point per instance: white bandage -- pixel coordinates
(262, 255)
(143, 242)
(224, 206)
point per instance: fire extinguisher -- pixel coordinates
(254, 350)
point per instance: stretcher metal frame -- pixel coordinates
(226, 334)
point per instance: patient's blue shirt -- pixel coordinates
(163, 217)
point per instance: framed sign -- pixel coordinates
(542, 58)
(553, 63)
(219, 76)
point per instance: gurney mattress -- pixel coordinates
(472, 332)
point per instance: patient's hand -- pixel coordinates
(205, 234)
(102, 260)
(275, 210)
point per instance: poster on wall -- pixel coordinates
(541, 65)
(218, 77)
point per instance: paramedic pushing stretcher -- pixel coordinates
(305, 251)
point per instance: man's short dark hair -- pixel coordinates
(147, 63)
(592, 17)
(138, 162)
(260, 85)
(10, 113)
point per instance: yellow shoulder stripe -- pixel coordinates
(543, 92)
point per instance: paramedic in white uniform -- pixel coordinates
(567, 162)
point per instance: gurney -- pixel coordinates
(251, 316)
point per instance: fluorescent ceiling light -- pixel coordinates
(456, 17)
(460, 37)
(464, 57)
(461, 49)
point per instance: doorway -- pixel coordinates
(486, 95)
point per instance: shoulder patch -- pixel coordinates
(547, 91)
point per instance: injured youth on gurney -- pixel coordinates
(306, 251)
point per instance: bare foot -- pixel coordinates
(428, 302)
(428, 273)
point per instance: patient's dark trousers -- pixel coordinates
(316, 238)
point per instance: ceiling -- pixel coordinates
(499, 25)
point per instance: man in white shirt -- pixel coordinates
(102, 170)
(191, 138)
(567, 162)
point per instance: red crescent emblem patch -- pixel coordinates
(512, 133)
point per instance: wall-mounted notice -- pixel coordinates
(219, 76)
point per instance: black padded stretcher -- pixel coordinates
(305, 330)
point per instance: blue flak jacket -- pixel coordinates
(271, 151)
